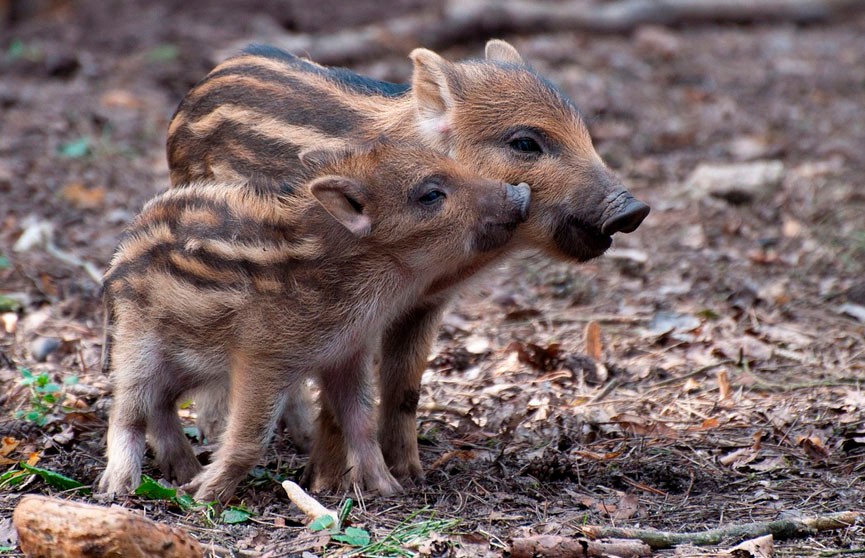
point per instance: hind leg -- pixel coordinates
(144, 402)
(146, 389)
(174, 454)
(295, 415)
(257, 394)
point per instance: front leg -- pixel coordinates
(405, 350)
(347, 407)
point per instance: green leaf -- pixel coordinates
(4, 262)
(49, 388)
(192, 432)
(70, 380)
(151, 489)
(75, 149)
(13, 478)
(186, 501)
(8, 304)
(321, 522)
(234, 515)
(163, 53)
(708, 314)
(345, 510)
(16, 49)
(353, 536)
(36, 416)
(53, 478)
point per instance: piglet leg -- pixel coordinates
(347, 399)
(405, 349)
(253, 401)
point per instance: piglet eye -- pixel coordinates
(432, 197)
(525, 145)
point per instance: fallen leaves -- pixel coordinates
(641, 426)
(83, 197)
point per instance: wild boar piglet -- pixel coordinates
(257, 287)
(254, 112)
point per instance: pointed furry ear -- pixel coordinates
(501, 51)
(432, 91)
(346, 200)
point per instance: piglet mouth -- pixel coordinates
(581, 241)
(494, 235)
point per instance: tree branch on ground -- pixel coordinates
(568, 547)
(780, 529)
(461, 20)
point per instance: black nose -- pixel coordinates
(627, 219)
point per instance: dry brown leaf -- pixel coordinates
(82, 197)
(7, 446)
(120, 98)
(34, 458)
(709, 424)
(640, 426)
(738, 458)
(813, 447)
(758, 440)
(463, 455)
(723, 384)
(541, 358)
(597, 456)
(629, 505)
(593, 340)
(761, 547)
(691, 385)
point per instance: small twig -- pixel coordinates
(608, 389)
(307, 504)
(781, 529)
(691, 374)
(75, 261)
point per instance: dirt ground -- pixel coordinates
(732, 322)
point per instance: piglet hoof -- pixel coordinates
(182, 471)
(209, 486)
(408, 471)
(117, 483)
(383, 485)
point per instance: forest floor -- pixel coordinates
(732, 321)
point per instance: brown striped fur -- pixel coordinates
(245, 290)
(254, 113)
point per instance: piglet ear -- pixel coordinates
(431, 88)
(346, 200)
(501, 51)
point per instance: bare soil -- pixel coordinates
(731, 385)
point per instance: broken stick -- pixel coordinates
(543, 546)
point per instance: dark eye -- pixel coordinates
(432, 197)
(525, 145)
